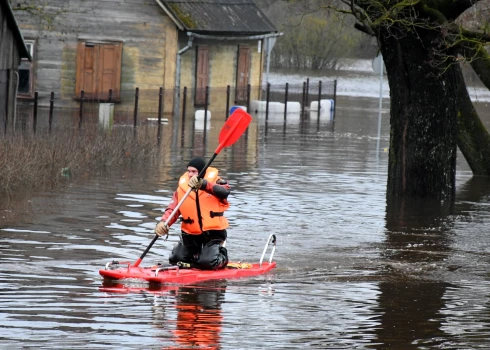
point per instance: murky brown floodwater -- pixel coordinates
(351, 272)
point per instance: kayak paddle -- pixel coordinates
(231, 131)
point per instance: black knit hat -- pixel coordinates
(197, 162)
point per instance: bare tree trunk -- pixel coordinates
(422, 158)
(473, 137)
(481, 64)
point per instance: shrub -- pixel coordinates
(31, 161)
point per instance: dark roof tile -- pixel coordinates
(237, 17)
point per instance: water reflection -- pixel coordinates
(199, 320)
(199, 136)
(410, 314)
(417, 229)
(293, 121)
(417, 248)
(473, 193)
(196, 318)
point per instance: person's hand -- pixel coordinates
(195, 182)
(162, 229)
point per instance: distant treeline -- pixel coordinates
(316, 40)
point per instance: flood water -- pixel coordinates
(352, 272)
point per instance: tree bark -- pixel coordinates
(480, 64)
(473, 137)
(422, 158)
(429, 101)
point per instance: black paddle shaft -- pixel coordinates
(203, 171)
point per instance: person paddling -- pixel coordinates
(203, 222)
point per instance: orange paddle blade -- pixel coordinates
(234, 127)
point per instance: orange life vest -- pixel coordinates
(212, 209)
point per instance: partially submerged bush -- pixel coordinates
(29, 161)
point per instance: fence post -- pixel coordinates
(286, 102)
(303, 104)
(307, 96)
(51, 105)
(227, 102)
(334, 97)
(34, 119)
(249, 88)
(319, 98)
(82, 98)
(267, 98)
(160, 105)
(136, 100)
(159, 119)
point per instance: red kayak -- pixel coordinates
(181, 275)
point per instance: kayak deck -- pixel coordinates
(177, 275)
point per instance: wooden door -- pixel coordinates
(109, 75)
(86, 73)
(202, 75)
(243, 73)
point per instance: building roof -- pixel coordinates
(14, 27)
(224, 17)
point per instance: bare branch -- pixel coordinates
(364, 28)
